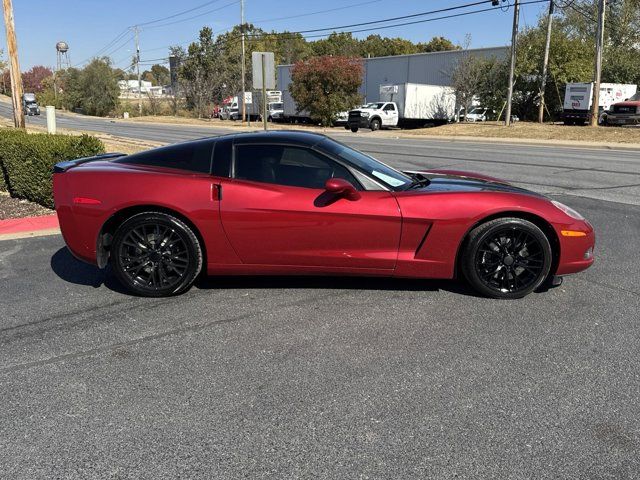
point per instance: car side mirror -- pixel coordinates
(342, 188)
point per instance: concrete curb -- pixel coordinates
(13, 228)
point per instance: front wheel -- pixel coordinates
(375, 125)
(155, 255)
(354, 129)
(507, 258)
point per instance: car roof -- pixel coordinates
(294, 137)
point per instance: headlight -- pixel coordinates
(364, 114)
(568, 210)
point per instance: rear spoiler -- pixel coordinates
(64, 166)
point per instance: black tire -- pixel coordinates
(375, 124)
(506, 258)
(155, 255)
(346, 127)
(354, 129)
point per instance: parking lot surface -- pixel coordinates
(333, 377)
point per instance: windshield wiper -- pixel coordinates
(419, 180)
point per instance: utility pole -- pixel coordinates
(14, 65)
(595, 108)
(136, 30)
(543, 83)
(244, 73)
(512, 69)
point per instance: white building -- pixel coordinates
(131, 86)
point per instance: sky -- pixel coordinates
(90, 25)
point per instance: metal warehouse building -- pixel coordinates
(428, 68)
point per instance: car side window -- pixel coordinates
(193, 156)
(389, 108)
(286, 165)
(222, 158)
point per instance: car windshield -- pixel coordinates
(277, 106)
(386, 175)
(377, 105)
(477, 110)
(635, 97)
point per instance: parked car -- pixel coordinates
(479, 114)
(296, 203)
(625, 113)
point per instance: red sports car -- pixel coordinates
(283, 203)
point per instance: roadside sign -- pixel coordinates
(258, 58)
(248, 98)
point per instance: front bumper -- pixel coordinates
(577, 243)
(360, 122)
(623, 119)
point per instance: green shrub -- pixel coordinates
(27, 160)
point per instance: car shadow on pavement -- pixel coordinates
(72, 270)
(332, 283)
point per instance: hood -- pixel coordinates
(628, 103)
(447, 181)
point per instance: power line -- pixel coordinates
(178, 14)
(391, 19)
(268, 20)
(193, 17)
(106, 47)
(444, 17)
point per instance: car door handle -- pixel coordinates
(216, 192)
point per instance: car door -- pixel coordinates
(390, 115)
(275, 211)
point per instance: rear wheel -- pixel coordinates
(155, 255)
(507, 258)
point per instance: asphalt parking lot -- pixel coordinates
(328, 377)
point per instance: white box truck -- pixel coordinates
(406, 105)
(576, 109)
(232, 109)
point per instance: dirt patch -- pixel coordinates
(17, 208)
(534, 131)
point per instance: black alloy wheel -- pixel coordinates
(156, 255)
(507, 258)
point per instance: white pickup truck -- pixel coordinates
(405, 105)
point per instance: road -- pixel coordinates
(334, 377)
(603, 174)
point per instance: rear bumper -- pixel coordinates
(575, 115)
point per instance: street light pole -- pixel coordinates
(244, 111)
(512, 69)
(135, 31)
(14, 65)
(595, 104)
(543, 83)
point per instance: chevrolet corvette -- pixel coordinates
(296, 203)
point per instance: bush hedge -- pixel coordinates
(27, 161)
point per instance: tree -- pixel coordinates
(326, 85)
(377, 46)
(32, 79)
(337, 44)
(437, 44)
(466, 80)
(99, 87)
(160, 74)
(199, 72)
